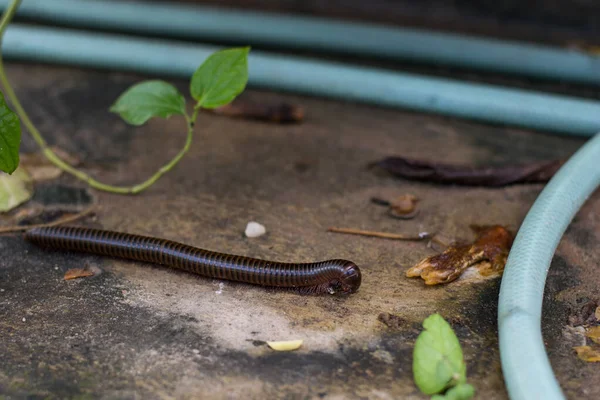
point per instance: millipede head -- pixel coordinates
(350, 280)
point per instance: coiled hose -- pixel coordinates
(527, 371)
(329, 36)
(488, 103)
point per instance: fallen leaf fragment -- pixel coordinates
(277, 113)
(597, 313)
(492, 245)
(593, 333)
(288, 345)
(587, 354)
(490, 176)
(15, 189)
(404, 207)
(75, 273)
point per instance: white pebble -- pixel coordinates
(24, 319)
(221, 286)
(254, 229)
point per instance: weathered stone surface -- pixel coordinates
(141, 331)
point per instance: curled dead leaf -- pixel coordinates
(489, 250)
(587, 354)
(75, 273)
(287, 345)
(404, 207)
(488, 176)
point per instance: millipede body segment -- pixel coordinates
(331, 276)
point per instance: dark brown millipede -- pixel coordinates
(331, 276)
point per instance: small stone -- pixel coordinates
(254, 229)
(24, 319)
(196, 351)
(221, 286)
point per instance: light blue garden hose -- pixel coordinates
(560, 114)
(527, 371)
(317, 34)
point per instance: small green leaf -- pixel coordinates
(437, 358)
(149, 99)
(15, 189)
(10, 138)
(462, 391)
(220, 78)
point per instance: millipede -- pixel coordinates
(335, 276)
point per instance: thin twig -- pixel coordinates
(382, 235)
(60, 221)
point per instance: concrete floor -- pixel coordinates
(140, 331)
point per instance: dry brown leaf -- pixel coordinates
(587, 354)
(78, 273)
(404, 207)
(490, 249)
(597, 313)
(287, 345)
(593, 333)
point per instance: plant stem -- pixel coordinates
(55, 159)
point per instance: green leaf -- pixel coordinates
(15, 189)
(149, 99)
(220, 78)
(437, 358)
(10, 138)
(462, 391)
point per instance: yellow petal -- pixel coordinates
(287, 345)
